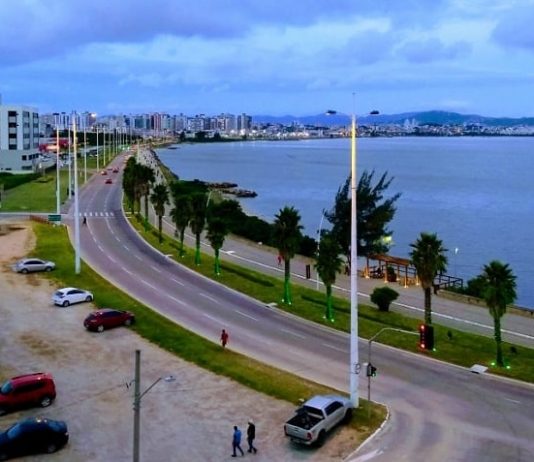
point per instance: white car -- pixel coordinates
(70, 295)
(29, 265)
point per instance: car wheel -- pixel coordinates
(48, 269)
(24, 271)
(128, 322)
(46, 401)
(66, 303)
(321, 438)
(88, 298)
(100, 328)
(348, 416)
(50, 448)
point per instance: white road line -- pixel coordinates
(100, 248)
(208, 297)
(290, 332)
(157, 270)
(335, 348)
(181, 302)
(180, 283)
(513, 400)
(112, 259)
(246, 315)
(149, 285)
(138, 257)
(127, 270)
(210, 317)
(126, 247)
(228, 252)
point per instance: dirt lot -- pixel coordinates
(190, 418)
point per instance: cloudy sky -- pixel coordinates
(268, 56)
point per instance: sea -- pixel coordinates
(476, 193)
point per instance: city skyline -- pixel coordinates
(265, 58)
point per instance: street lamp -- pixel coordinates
(76, 204)
(58, 190)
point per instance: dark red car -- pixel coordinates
(28, 390)
(108, 318)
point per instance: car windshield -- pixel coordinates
(6, 388)
(59, 294)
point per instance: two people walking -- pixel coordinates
(236, 439)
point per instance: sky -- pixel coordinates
(268, 57)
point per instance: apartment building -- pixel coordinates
(19, 139)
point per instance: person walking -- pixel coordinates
(236, 441)
(224, 338)
(279, 260)
(84, 220)
(251, 435)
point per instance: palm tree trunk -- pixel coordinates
(428, 305)
(182, 235)
(329, 315)
(197, 250)
(146, 211)
(217, 263)
(287, 286)
(498, 340)
(160, 224)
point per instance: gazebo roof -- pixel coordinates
(390, 259)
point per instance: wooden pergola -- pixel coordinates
(402, 266)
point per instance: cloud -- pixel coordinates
(432, 49)
(515, 30)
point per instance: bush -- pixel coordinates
(383, 296)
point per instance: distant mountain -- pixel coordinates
(421, 118)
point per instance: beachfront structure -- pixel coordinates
(19, 139)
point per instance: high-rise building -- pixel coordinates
(19, 139)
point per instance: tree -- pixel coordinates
(198, 220)
(181, 215)
(499, 291)
(129, 183)
(159, 197)
(373, 213)
(428, 257)
(145, 178)
(328, 263)
(217, 231)
(287, 235)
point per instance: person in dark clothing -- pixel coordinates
(224, 338)
(236, 441)
(84, 220)
(251, 435)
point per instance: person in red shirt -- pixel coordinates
(224, 338)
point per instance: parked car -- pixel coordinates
(116, 170)
(70, 295)
(30, 265)
(103, 172)
(28, 390)
(109, 181)
(316, 417)
(108, 318)
(33, 436)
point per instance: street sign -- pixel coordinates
(54, 217)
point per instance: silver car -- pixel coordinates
(70, 295)
(30, 265)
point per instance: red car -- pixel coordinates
(108, 318)
(109, 181)
(36, 389)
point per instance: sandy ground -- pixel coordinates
(190, 418)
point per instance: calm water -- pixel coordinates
(477, 194)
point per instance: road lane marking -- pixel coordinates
(138, 257)
(181, 302)
(157, 270)
(126, 270)
(210, 317)
(513, 400)
(246, 315)
(208, 297)
(101, 248)
(112, 259)
(148, 284)
(126, 247)
(180, 283)
(342, 350)
(290, 332)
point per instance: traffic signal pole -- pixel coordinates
(371, 370)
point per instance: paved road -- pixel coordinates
(438, 411)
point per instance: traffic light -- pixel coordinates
(426, 336)
(371, 370)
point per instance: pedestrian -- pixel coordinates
(224, 338)
(251, 434)
(84, 220)
(236, 441)
(279, 260)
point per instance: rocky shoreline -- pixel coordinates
(231, 188)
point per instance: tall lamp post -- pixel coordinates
(76, 204)
(58, 190)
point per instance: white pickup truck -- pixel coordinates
(316, 417)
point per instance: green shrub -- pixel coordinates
(383, 296)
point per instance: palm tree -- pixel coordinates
(428, 257)
(499, 291)
(217, 231)
(198, 220)
(128, 183)
(159, 197)
(287, 236)
(181, 214)
(328, 264)
(145, 179)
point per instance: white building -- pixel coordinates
(19, 139)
